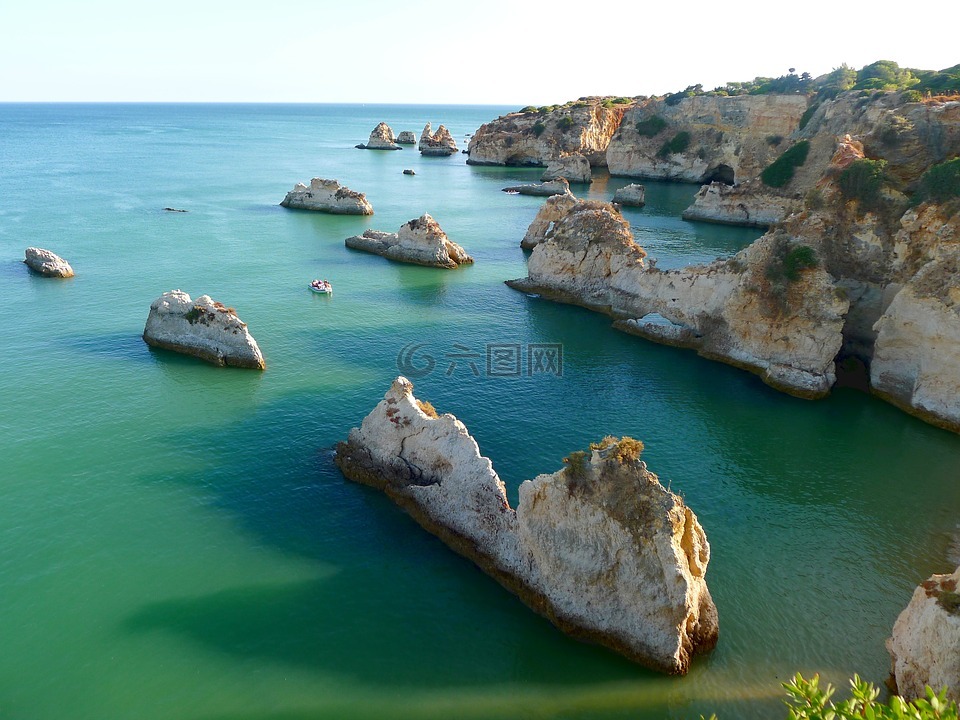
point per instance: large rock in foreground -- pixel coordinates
(420, 241)
(439, 143)
(925, 646)
(600, 548)
(327, 196)
(203, 328)
(47, 263)
(381, 139)
(555, 208)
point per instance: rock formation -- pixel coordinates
(420, 241)
(381, 139)
(574, 168)
(552, 210)
(926, 638)
(202, 328)
(439, 143)
(535, 137)
(408, 171)
(47, 263)
(632, 195)
(327, 196)
(754, 311)
(407, 137)
(560, 186)
(600, 548)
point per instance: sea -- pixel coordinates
(176, 541)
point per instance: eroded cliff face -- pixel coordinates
(533, 138)
(600, 548)
(744, 311)
(728, 138)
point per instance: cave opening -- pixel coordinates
(722, 174)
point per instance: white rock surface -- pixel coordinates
(437, 143)
(747, 205)
(925, 645)
(632, 195)
(555, 207)
(47, 263)
(420, 241)
(573, 167)
(203, 328)
(560, 186)
(381, 138)
(327, 196)
(407, 137)
(606, 553)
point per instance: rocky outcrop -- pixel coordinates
(736, 205)
(47, 263)
(552, 210)
(439, 143)
(327, 196)
(926, 636)
(745, 311)
(420, 241)
(535, 137)
(632, 195)
(726, 138)
(600, 548)
(381, 139)
(407, 137)
(202, 328)
(560, 186)
(573, 168)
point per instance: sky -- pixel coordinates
(512, 52)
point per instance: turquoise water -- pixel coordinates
(175, 541)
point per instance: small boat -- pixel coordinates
(321, 286)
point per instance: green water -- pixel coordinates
(175, 541)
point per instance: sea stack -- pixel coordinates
(440, 143)
(407, 137)
(632, 195)
(574, 167)
(327, 196)
(420, 241)
(600, 547)
(47, 263)
(380, 139)
(203, 328)
(926, 638)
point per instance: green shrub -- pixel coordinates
(529, 109)
(862, 180)
(774, 140)
(194, 314)
(622, 100)
(809, 702)
(677, 144)
(780, 171)
(911, 96)
(539, 127)
(807, 114)
(565, 124)
(814, 199)
(653, 125)
(802, 257)
(941, 183)
(576, 463)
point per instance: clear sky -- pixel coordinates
(514, 52)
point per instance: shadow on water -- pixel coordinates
(384, 587)
(123, 346)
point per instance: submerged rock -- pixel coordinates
(408, 171)
(632, 195)
(407, 137)
(420, 241)
(926, 637)
(600, 548)
(203, 328)
(47, 263)
(573, 167)
(560, 186)
(552, 210)
(380, 139)
(327, 196)
(439, 143)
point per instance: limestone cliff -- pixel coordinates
(327, 196)
(203, 328)
(600, 548)
(537, 137)
(755, 311)
(926, 636)
(420, 241)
